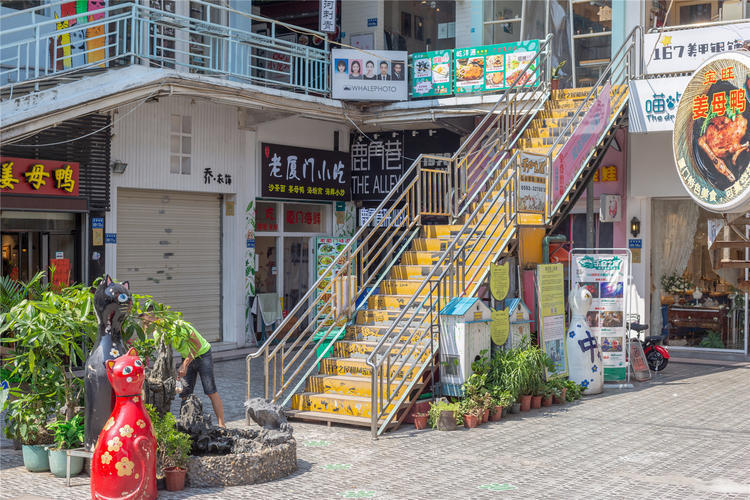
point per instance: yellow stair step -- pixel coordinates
(375, 332)
(358, 367)
(359, 349)
(317, 416)
(346, 385)
(339, 404)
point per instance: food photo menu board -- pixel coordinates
(495, 67)
(326, 250)
(431, 74)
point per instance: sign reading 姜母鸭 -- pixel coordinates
(710, 145)
(290, 172)
(42, 177)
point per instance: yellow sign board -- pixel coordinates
(500, 327)
(499, 280)
(551, 293)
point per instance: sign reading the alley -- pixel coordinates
(685, 50)
(710, 141)
(295, 173)
(43, 177)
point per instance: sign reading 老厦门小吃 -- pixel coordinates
(290, 172)
(653, 103)
(684, 50)
(495, 67)
(431, 73)
(710, 139)
(605, 277)
(44, 177)
(374, 75)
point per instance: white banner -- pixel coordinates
(328, 16)
(369, 76)
(606, 277)
(684, 50)
(653, 103)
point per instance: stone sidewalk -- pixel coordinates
(686, 434)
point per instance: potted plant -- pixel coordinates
(555, 75)
(472, 412)
(68, 435)
(572, 391)
(175, 452)
(487, 405)
(559, 389)
(548, 393)
(420, 420)
(25, 423)
(444, 415)
(500, 399)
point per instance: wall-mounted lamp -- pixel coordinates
(118, 167)
(635, 227)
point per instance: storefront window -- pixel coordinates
(697, 302)
(418, 26)
(592, 39)
(686, 12)
(502, 21)
(303, 218)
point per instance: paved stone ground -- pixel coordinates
(684, 435)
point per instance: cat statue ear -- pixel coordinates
(126, 285)
(108, 280)
(110, 364)
(132, 352)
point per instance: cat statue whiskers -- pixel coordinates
(112, 303)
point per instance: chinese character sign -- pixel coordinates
(431, 74)
(710, 139)
(328, 16)
(532, 188)
(496, 67)
(290, 172)
(44, 177)
(653, 103)
(685, 50)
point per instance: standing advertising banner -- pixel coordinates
(551, 310)
(495, 67)
(684, 50)
(606, 276)
(431, 74)
(327, 249)
(532, 187)
(375, 75)
(577, 147)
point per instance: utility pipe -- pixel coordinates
(545, 244)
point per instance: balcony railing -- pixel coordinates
(39, 44)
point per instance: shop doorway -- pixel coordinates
(296, 271)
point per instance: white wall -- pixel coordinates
(354, 16)
(469, 23)
(652, 168)
(141, 139)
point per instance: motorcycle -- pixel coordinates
(657, 356)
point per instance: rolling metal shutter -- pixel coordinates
(168, 246)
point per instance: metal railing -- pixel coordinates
(474, 174)
(616, 76)
(36, 46)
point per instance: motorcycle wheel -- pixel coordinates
(656, 361)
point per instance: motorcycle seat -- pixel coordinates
(654, 338)
(638, 327)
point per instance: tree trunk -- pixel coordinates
(161, 380)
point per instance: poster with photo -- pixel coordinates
(327, 248)
(372, 75)
(532, 195)
(495, 67)
(606, 277)
(431, 74)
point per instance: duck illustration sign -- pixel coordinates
(605, 276)
(711, 143)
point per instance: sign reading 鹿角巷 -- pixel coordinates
(44, 177)
(304, 174)
(710, 143)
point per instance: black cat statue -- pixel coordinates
(112, 302)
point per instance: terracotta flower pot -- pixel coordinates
(560, 400)
(496, 414)
(547, 400)
(554, 83)
(446, 421)
(486, 416)
(420, 421)
(536, 402)
(471, 421)
(175, 478)
(526, 402)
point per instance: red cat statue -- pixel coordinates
(124, 461)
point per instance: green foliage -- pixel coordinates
(26, 419)
(68, 434)
(556, 70)
(574, 392)
(501, 397)
(172, 446)
(436, 407)
(712, 340)
(12, 292)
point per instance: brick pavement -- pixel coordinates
(684, 435)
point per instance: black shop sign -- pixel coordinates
(380, 159)
(304, 174)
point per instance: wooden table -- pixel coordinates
(680, 318)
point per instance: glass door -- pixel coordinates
(296, 271)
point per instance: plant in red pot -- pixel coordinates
(420, 420)
(500, 399)
(172, 450)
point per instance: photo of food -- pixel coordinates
(611, 344)
(440, 73)
(592, 287)
(611, 319)
(611, 290)
(326, 248)
(494, 80)
(720, 145)
(515, 63)
(496, 63)
(592, 318)
(422, 67)
(470, 69)
(325, 260)
(323, 284)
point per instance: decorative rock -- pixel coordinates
(264, 413)
(244, 468)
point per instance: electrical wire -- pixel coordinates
(90, 133)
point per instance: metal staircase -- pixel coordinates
(405, 269)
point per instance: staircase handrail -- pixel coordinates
(408, 191)
(621, 58)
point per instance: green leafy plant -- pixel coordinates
(172, 446)
(26, 419)
(574, 392)
(439, 406)
(501, 397)
(68, 434)
(712, 340)
(556, 70)
(675, 283)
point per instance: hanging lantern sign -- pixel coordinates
(711, 140)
